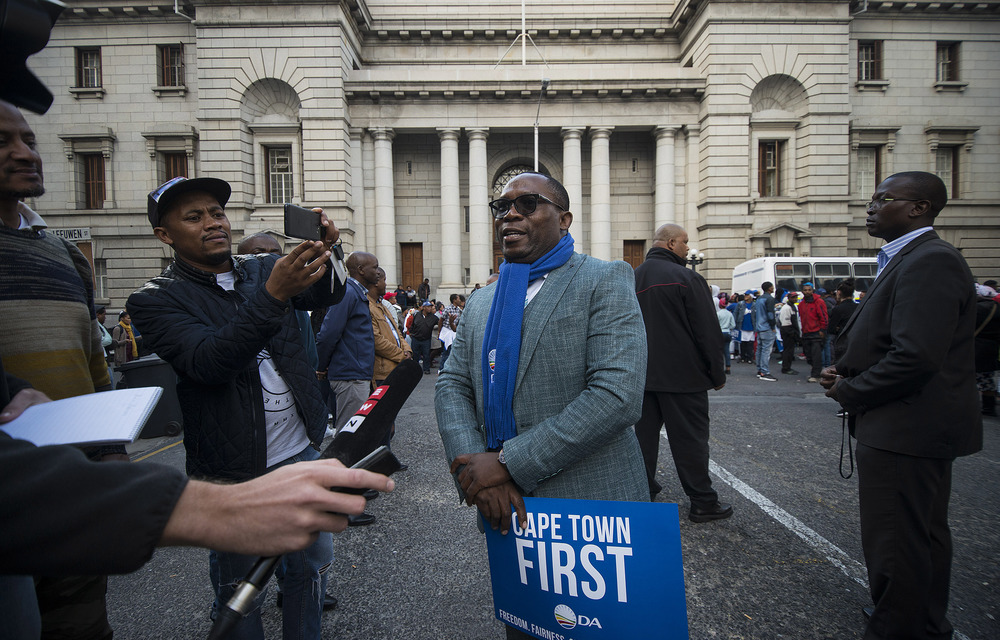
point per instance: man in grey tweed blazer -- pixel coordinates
(579, 379)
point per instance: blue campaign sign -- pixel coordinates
(591, 569)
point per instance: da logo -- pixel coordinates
(568, 619)
(493, 359)
(565, 616)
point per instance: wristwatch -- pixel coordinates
(501, 458)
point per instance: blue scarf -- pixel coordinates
(502, 342)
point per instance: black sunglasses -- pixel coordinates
(524, 204)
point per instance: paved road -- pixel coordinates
(787, 565)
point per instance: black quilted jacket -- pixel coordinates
(212, 337)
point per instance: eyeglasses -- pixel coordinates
(524, 204)
(878, 203)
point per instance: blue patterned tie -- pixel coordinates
(883, 260)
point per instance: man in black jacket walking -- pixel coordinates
(684, 362)
(247, 392)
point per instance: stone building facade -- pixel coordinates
(762, 127)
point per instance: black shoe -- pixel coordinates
(329, 602)
(362, 520)
(403, 467)
(867, 612)
(370, 494)
(717, 511)
(791, 372)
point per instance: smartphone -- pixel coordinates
(381, 460)
(302, 223)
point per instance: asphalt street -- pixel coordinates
(788, 564)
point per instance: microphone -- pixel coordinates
(370, 425)
(353, 444)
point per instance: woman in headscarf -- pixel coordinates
(123, 339)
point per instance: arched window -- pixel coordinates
(507, 175)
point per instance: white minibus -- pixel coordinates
(788, 274)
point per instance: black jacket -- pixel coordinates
(682, 328)
(212, 337)
(909, 383)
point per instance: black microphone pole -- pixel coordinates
(242, 599)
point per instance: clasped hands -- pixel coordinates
(828, 379)
(488, 485)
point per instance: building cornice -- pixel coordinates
(884, 8)
(383, 91)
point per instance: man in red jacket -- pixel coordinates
(814, 319)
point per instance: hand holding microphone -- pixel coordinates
(355, 445)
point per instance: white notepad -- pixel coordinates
(110, 417)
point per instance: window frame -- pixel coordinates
(862, 190)
(88, 140)
(948, 73)
(82, 88)
(874, 64)
(93, 180)
(288, 189)
(763, 170)
(164, 87)
(275, 134)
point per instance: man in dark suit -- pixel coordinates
(906, 378)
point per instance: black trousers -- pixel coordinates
(906, 541)
(685, 416)
(788, 348)
(812, 344)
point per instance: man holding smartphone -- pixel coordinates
(247, 392)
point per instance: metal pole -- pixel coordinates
(524, 53)
(538, 112)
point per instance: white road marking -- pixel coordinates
(834, 554)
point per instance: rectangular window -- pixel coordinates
(174, 164)
(88, 68)
(947, 62)
(947, 168)
(93, 180)
(101, 279)
(829, 275)
(869, 60)
(279, 174)
(769, 167)
(171, 65)
(869, 170)
(864, 275)
(790, 276)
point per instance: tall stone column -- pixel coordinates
(480, 220)
(665, 201)
(357, 202)
(573, 181)
(368, 183)
(600, 192)
(692, 189)
(451, 214)
(385, 207)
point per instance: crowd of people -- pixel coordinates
(554, 381)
